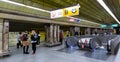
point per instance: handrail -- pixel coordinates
(118, 56)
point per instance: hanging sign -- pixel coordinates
(56, 13)
(72, 19)
(70, 11)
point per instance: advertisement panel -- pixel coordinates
(70, 11)
(56, 13)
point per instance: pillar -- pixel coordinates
(77, 29)
(87, 31)
(58, 31)
(47, 33)
(52, 35)
(1, 28)
(95, 30)
(55, 32)
(72, 31)
(4, 37)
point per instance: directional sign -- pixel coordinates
(73, 19)
(56, 13)
(70, 11)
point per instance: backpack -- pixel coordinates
(23, 37)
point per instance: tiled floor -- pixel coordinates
(45, 54)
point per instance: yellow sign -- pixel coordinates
(70, 11)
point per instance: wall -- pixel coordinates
(13, 38)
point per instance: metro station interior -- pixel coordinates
(67, 30)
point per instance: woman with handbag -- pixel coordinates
(25, 42)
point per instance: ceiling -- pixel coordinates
(90, 9)
(114, 6)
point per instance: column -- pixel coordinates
(77, 29)
(87, 31)
(55, 33)
(58, 31)
(51, 33)
(4, 36)
(72, 31)
(1, 28)
(95, 31)
(47, 33)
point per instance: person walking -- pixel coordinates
(25, 42)
(34, 38)
(61, 37)
(19, 44)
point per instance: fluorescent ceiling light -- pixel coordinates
(101, 2)
(19, 4)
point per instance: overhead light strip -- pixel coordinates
(101, 2)
(19, 4)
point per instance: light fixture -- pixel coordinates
(101, 2)
(19, 4)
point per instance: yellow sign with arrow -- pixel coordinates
(71, 11)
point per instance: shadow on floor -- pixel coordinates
(68, 50)
(99, 54)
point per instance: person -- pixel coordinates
(25, 42)
(61, 37)
(19, 44)
(38, 37)
(76, 33)
(67, 33)
(34, 39)
(109, 46)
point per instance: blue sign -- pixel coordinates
(78, 20)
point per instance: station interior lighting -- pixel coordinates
(39, 9)
(20, 4)
(102, 3)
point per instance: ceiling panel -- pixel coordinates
(90, 9)
(114, 6)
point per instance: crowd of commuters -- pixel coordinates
(25, 37)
